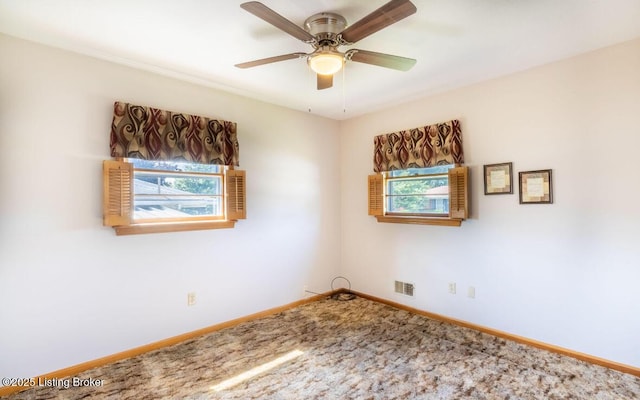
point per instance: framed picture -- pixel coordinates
(498, 178)
(535, 187)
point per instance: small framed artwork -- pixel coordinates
(536, 187)
(498, 178)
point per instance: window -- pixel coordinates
(418, 191)
(143, 196)
(167, 191)
(435, 195)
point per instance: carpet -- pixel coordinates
(358, 349)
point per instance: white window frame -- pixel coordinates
(139, 197)
(415, 174)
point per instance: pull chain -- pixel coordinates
(344, 90)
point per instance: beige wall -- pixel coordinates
(70, 290)
(565, 273)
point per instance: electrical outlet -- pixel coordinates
(191, 298)
(471, 292)
(452, 287)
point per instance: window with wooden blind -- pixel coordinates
(145, 196)
(434, 196)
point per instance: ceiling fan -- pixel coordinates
(328, 31)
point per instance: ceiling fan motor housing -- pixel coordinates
(325, 27)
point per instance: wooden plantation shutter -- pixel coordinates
(376, 199)
(117, 196)
(236, 194)
(459, 192)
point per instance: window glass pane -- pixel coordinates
(174, 166)
(418, 196)
(169, 190)
(438, 169)
(418, 190)
(435, 186)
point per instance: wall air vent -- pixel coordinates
(404, 288)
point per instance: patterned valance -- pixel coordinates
(153, 134)
(422, 147)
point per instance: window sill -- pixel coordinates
(163, 227)
(442, 221)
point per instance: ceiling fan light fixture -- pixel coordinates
(325, 63)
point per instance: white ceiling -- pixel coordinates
(456, 42)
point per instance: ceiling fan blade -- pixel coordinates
(380, 59)
(388, 14)
(270, 60)
(324, 81)
(263, 12)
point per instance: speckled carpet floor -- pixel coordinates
(356, 349)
